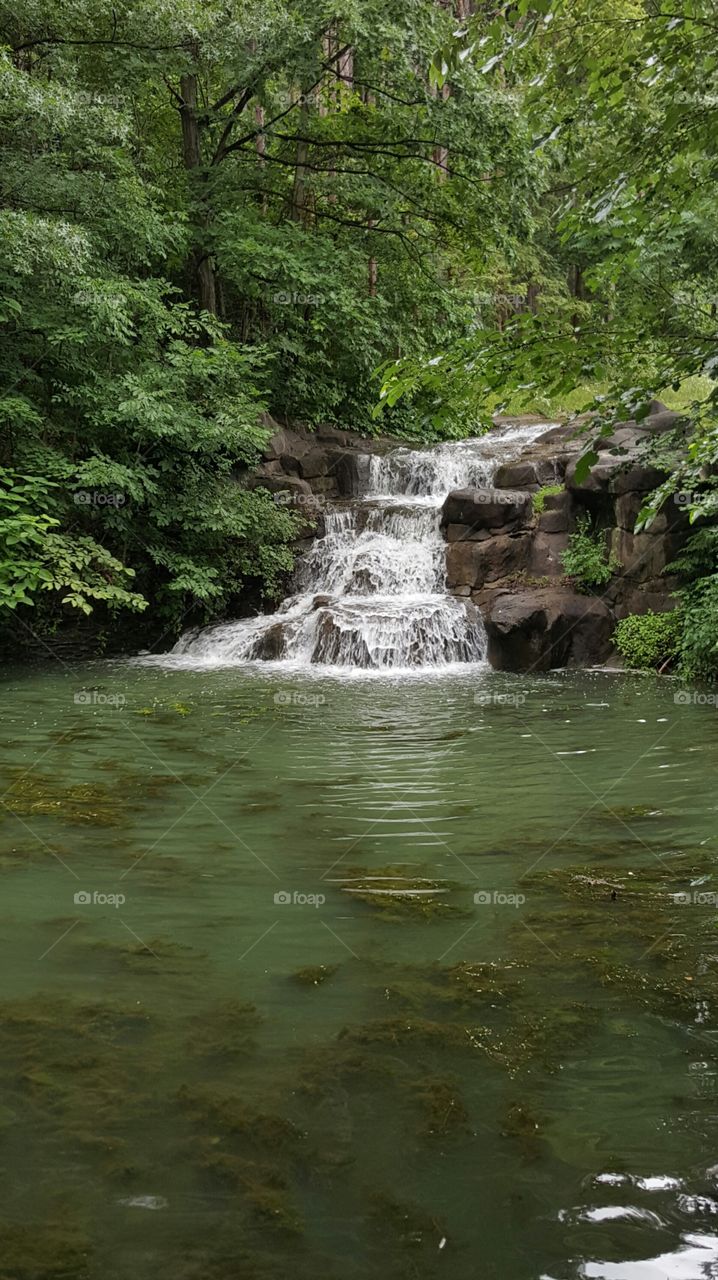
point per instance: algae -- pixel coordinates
(441, 1104)
(37, 795)
(314, 975)
(228, 1113)
(404, 1223)
(223, 1030)
(43, 1251)
(396, 895)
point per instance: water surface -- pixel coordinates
(400, 986)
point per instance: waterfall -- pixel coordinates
(371, 592)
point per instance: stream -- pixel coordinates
(329, 951)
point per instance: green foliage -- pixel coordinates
(586, 558)
(204, 215)
(619, 99)
(698, 567)
(650, 641)
(34, 557)
(547, 491)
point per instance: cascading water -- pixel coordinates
(371, 593)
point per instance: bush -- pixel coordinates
(697, 566)
(586, 558)
(650, 640)
(548, 491)
(699, 647)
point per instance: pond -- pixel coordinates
(321, 974)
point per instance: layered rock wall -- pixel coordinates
(508, 559)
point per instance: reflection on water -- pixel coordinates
(357, 978)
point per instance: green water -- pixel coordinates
(201, 1082)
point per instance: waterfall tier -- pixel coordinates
(371, 592)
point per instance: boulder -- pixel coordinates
(550, 627)
(287, 443)
(642, 555)
(636, 477)
(616, 474)
(464, 533)
(545, 557)
(291, 485)
(351, 471)
(486, 508)
(628, 436)
(270, 646)
(474, 564)
(643, 598)
(529, 473)
(516, 475)
(314, 463)
(661, 418)
(556, 514)
(329, 434)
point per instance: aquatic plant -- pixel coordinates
(397, 895)
(404, 1223)
(225, 1029)
(31, 795)
(229, 1113)
(442, 1105)
(48, 1250)
(314, 975)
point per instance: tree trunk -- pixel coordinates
(299, 191)
(201, 268)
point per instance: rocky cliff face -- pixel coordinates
(508, 560)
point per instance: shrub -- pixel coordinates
(697, 565)
(586, 558)
(548, 491)
(650, 640)
(699, 647)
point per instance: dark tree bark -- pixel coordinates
(299, 190)
(201, 267)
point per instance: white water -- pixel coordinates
(371, 593)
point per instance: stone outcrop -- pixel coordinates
(508, 560)
(535, 630)
(325, 463)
